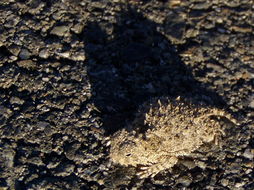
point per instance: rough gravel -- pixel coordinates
(74, 72)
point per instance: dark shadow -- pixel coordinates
(130, 62)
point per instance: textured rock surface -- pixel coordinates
(74, 72)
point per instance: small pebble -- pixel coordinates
(248, 153)
(60, 30)
(24, 54)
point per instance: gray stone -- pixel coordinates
(28, 64)
(6, 112)
(44, 53)
(78, 56)
(15, 50)
(65, 170)
(224, 182)
(77, 28)
(24, 54)
(251, 104)
(202, 5)
(184, 180)
(248, 153)
(188, 163)
(16, 100)
(41, 125)
(60, 30)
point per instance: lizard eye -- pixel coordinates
(128, 154)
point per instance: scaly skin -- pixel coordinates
(174, 128)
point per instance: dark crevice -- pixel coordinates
(4, 52)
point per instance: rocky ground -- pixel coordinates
(74, 72)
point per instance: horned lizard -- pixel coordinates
(168, 130)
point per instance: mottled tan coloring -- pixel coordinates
(167, 130)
